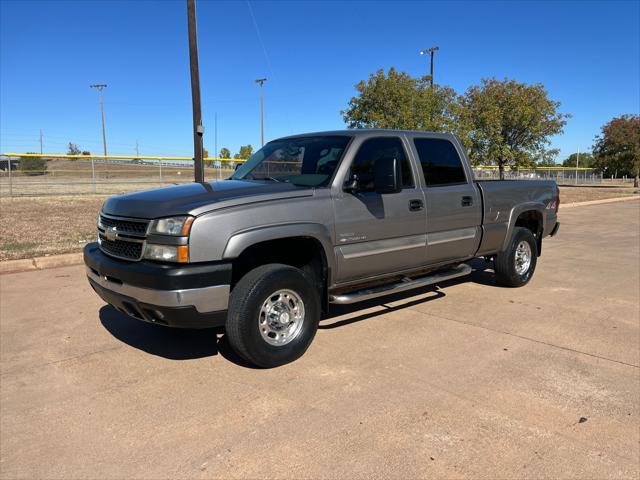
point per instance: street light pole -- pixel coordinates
(198, 129)
(261, 81)
(430, 51)
(100, 87)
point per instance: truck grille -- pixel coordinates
(122, 237)
(121, 249)
(131, 227)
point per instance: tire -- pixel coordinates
(514, 272)
(261, 303)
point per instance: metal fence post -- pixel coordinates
(10, 178)
(93, 174)
(160, 170)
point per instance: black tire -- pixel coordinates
(505, 267)
(247, 298)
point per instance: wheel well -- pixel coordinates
(305, 253)
(532, 220)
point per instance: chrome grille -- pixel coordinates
(122, 237)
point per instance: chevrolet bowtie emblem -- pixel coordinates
(111, 234)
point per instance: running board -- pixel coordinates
(400, 286)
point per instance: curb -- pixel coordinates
(599, 202)
(40, 263)
(68, 259)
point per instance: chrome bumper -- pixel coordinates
(204, 300)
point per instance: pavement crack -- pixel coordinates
(55, 362)
(568, 349)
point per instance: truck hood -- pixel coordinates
(197, 198)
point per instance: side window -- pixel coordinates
(440, 162)
(372, 150)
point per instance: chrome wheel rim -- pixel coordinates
(523, 257)
(281, 317)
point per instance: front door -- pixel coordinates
(379, 233)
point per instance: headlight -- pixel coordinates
(176, 226)
(167, 253)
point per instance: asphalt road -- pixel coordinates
(471, 380)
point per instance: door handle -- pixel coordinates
(467, 201)
(415, 205)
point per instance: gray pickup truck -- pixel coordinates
(308, 221)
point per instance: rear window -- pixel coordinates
(440, 162)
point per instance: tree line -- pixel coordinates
(500, 122)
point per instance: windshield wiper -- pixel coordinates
(273, 179)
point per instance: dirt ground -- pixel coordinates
(36, 226)
(468, 380)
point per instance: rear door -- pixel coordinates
(378, 233)
(454, 210)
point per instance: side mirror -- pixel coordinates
(352, 185)
(387, 177)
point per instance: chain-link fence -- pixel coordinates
(562, 175)
(32, 174)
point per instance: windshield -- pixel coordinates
(304, 161)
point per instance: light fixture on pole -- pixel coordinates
(261, 81)
(430, 51)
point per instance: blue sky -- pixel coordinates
(587, 54)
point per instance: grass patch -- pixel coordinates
(17, 246)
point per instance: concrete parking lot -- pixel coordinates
(469, 380)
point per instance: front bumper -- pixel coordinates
(188, 296)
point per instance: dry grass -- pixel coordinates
(570, 194)
(35, 226)
(39, 226)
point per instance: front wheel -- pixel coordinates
(515, 266)
(273, 315)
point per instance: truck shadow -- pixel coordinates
(190, 344)
(171, 343)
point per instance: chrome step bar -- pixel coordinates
(400, 286)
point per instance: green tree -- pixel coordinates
(398, 100)
(245, 152)
(548, 158)
(585, 160)
(32, 165)
(617, 148)
(86, 152)
(225, 153)
(73, 149)
(508, 123)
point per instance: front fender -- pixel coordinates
(240, 241)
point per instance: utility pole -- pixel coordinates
(100, 87)
(198, 129)
(137, 149)
(430, 51)
(261, 81)
(40, 141)
(215, 144)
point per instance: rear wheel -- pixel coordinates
(515, 266)
(273, 315)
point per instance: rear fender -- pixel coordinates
(516, 211)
